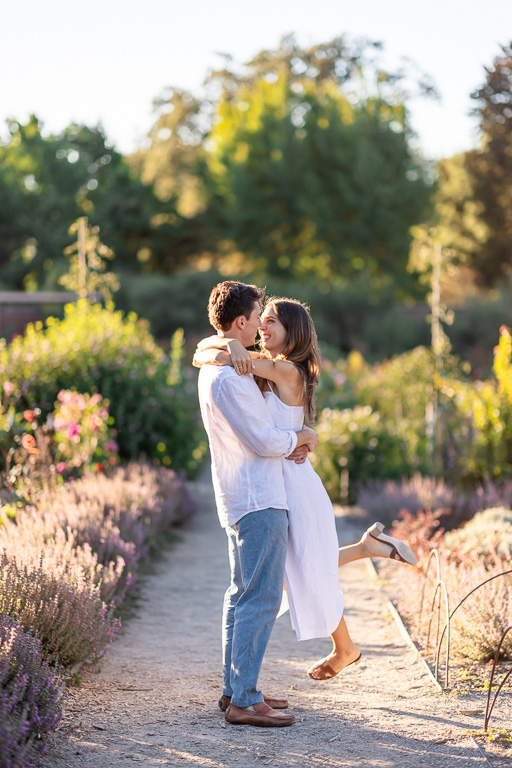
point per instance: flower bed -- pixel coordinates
(67, 561)
(468, 557)
(98, 350)
(30, 692)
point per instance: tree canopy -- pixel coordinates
(47, 182)
(296, 164)
(303, 160)
(491, 168)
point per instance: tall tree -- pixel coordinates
(308, 168)
(169, 161)
(491, 168)
(49, 181)
(43, 178)
(459, 227)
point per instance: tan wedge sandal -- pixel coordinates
(399, 549)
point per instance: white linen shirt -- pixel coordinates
(245, 444)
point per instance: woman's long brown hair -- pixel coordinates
(300, 346)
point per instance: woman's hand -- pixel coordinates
(210, 357)
(213, 342)
(240, 358)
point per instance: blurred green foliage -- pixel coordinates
(295, 169)
(490, 167)
(169, 302)
(47, 182)
(297, 164)
(98, 349)
(364, 444)
(304, 184)
(387, 431)
(479, 433)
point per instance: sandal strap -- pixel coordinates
(325, 668)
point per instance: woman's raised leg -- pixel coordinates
(375, 543)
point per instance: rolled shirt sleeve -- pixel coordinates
(245, 410)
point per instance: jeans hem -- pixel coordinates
(249, 701)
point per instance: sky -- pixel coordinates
(106, 60)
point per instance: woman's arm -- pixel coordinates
(281, 372)
(211, 357)
(214, 342)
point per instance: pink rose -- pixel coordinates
(73, 430)
(60, 467)
(8, 388)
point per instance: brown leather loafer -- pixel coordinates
(259, 714)
(225, 701)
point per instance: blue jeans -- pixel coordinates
(257, 552)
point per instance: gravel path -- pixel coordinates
(155, 700)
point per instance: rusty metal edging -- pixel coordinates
(401, 626)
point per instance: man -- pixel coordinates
(246, 450)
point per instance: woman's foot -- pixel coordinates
(333, 664)
(378, 544)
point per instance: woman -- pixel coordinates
(287, 371)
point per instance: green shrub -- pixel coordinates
(339, 379)
(473, 440)
(478, 421)
(475, 327)
(400, 388)
(361, 441)
(96, 349)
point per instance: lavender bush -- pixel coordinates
(469, 556)
(66, 561)
(30, 693)
(139, 495)
(51, 533)
(384, 500)
(489, 531)
(478, 625)
(60, 604)
(100, 526)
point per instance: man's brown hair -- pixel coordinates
(230, 300)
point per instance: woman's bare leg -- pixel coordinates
(352, 552)
(344, 652)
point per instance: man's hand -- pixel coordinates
(299, 454)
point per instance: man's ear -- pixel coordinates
(240, 322)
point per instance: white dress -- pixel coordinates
(314, 592)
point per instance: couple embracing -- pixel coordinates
(278, 518)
